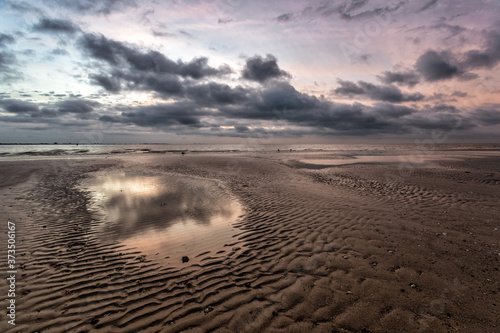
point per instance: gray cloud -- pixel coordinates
(284, 17)
(213, 93)
(59, 51)
(487, 116)
(407, 78)
(158, 33)
(76, 106)
(487, 58)
(18, 106)
(262, 69)
(111, 84)
(436, 66)
(209, 104)
(459, 94)
(6, 39)
(6, 58)
(99, 7)
(8, 61)
(388, 93)
(56, 26)
(150, 70)
(224, 20)
(428, 5)
(23, 7)
(163, 115)
(347, 9)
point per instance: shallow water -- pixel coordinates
(73, 150)
(163, 215)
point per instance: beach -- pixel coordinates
(288, 241)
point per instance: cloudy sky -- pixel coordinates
(188, 71)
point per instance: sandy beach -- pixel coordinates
(274, 242)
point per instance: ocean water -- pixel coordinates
(33, 150)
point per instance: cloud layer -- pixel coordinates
(251, 69)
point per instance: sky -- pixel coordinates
(235, 71)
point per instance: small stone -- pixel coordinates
(413, 285)
(208, 309)
(345, 257)
(348, 292)
(185, 259)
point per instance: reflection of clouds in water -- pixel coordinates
(135, 205)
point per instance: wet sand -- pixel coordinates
(377, 244)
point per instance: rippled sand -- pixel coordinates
(275, 242)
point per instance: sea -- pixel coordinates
(73, 150)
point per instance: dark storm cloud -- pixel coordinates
(101, 48)
(242, 129)
(199, 68)
(250, 110)
(76, 106)
(388, 93)
(407, 78)
(281, 102)
(46, 113)
(163, 115)
(490, 116)
(487, 58)
(6, 39)
(56, 26)
(138, 69)
(213, 93)
(18, 106)
(278, 101)
(436, 66)
(111, 84)
(167, 85)
(262, 69)
(100, 7)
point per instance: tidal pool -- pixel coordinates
(163, 215)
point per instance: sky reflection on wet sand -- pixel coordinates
(163, 215)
